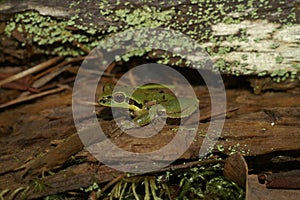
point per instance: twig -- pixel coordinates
(20, 84)
(53, 85)
(42, 81)
(82, 47)
(31, 97)
(113, 181)
(62, 64)
(31, 70)
(191, 164)
(210, 116)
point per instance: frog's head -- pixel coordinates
(110, 99)
(118, 99)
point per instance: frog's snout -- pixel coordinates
(104, 101)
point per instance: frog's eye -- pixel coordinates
(119, 97)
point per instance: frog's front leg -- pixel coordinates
(145, 116)
(155, 116)
(141, 118)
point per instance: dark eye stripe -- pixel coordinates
(132, 102)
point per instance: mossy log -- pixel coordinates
(242, 37)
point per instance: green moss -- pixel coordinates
(221, 64)
(44, 31)
(223, 50)
(194, 19)
(296, 66)
(279, 59)
(144, 17)
(281, 75)
(274, 46)
(194, 183)
(244, 57)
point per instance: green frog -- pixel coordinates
(147, 103)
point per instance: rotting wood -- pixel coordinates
(257, 191)
(54, 158)
(248, 130)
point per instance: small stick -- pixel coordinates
(82, 47)
(59, 65)
(34, 96)
(31, 70)
(205, 162)
(53, 85)
(113, 181)
(42, 81)
(210, 116)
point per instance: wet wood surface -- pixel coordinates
(40, 137)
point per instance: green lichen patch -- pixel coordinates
(51, 36)
(144, 16)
